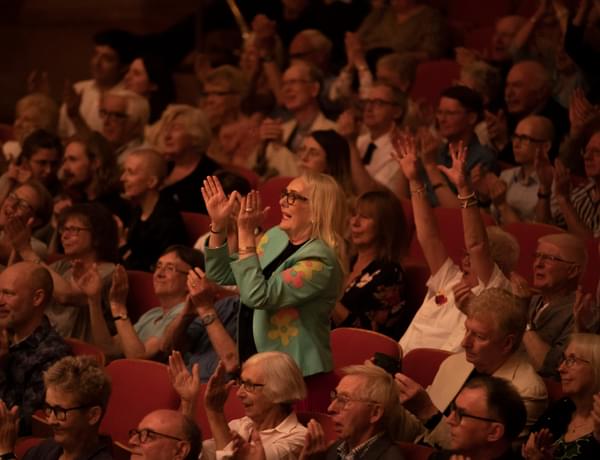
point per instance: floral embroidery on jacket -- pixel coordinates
(283, 328)
(260, 247)
(304, 269)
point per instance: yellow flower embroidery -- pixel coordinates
(283, 329)
(304, 269)
(260, 248)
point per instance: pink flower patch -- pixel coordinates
(304, 269)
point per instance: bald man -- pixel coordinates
(156, 222)
(166, 434)
(559, 262)
(516, 199)
(28, 343)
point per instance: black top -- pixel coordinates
(147, 239)
(186, 192)
(51, 450)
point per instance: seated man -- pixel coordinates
(29, 345)
(77, 392)
(486, 417)
(166, 434)
(494, 326)
(156, 222)
(142, 339)
(363, 408)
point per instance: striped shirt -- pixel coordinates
(585, 206)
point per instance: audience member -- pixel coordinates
(364, 408)
(183, 140)
(77, 392)
(29, 344)
(571, 426)
(279, 277)
(374, 296)
(485, 419)
(155, 223)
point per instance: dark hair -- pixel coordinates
(103, 228)
(192, 434)
(471, 100)
(504, 403)
(121, 41)
(43, 212)
(40, 139)
(337, 156)
(232, 182)
(391, 231)
(159, 74)
(190, 256)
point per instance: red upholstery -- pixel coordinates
(432, 78)
(252, 178)
(26, 443)
(141, 297)
(414, 451)
(590, 279)
(475, 12)
(355, 346)
(196, 225)
(233, 410)
(81, 348)
(421, 364)
(6, 133)
(270, 192)
(554, 388)
(479, 39)
(325, 420)
(318, 388)
(138, 388)
(416, 274)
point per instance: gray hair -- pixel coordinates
(194, 120)
(589, 347)
(504, 248)
(284, 383)
(138, 108)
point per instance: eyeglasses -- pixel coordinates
(377, 103)
(342, 400)
(525, 139)
(291, 197)
(60, 413)
(550, 258)
(168, 268)
(461, 413)
(206, 94)
(572, 359)
(308, 152)
(73, 230)
(146, 434)
(295, 82)
(19, 203)
(248, 386)
(590, 152)
(117, 116)
(449, 113)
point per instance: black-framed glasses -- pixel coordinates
(377, 103)
(461, 413)
(570, 360)
(146, 434)
(22, 205)
(525, 139)
(60, 413)
(168, 268)
(343, 400)
(248, 386)
(73, 230)
(118, 116)
(550, 258)
(292, 197)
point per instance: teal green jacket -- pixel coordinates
(293, 307)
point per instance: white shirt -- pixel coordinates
(383, 168)
(284, 442)
(440, 324)
(521, 193)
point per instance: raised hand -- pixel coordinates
(428, 145)
(218, 205)
(119, 288)
(217, 389)
(544, 170)
(202, 291)
(72, 100)
(538, 446)
(185, 383)
(270, 130)
(88, 281)
(252, 214)
(457, 172)
(585, 312)
(9, 427)
(19, 233)
(463, 294)
(498, 192)
(562, 179)
(315, 443)
(414, 397)
(406, 155)
(252, 449)
(497, 127)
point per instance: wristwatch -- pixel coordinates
(208, 319)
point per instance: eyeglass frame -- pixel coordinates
(250, 387)
(147, 432)
(550, 258)
(572, 359)
(48, 409)
(343, 401)
(525, 139)
(461, 413)
(118, 116)
(168, 268)
(73, 229)
(291, 197)
(20, 203)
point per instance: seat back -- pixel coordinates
(270, 192)
(138, 388)
(318, 390)
(354, 346)
(196, 225)
(414, 451)
(324, 420)
(233, 409)
(432, 78)
(81, 348)
(140, 297)
(471, 13)
(252, 178)
(421, 364)
(24, 444)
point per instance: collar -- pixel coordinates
(37, 336)
(287, 425)
(519, 177)
(344, 451)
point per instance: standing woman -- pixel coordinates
(374, 293)
(292, 278)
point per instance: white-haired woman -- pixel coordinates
(570, 428)
(291, 279)
(184, 137)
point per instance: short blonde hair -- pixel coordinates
(572, 248)
(47, 111)
(154, 161)
(284, 383)
(589, 347)
(194, 120)
(504, 248)
(138, 107)
(230, 74)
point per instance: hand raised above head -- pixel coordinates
(406, 155)
(457, 173)
(252, 214)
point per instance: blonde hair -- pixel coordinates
(234, 77)
(283, 379)
(194, 120)
(137, 107)
(589, 347)
(47, 111)
(504, 248)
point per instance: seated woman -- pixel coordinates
(570, 428)
(374, 293)
(89, 238)
(291, 280)
(184, 138)
(77, 392)
(141, 340)
(269, 385)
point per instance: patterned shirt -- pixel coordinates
(21, 381)
(345, 453)
(586, 207)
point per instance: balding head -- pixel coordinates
(312, 46)
(572, 248)
(559, 264)
(506, 29)
(528, 88)
(531, 134)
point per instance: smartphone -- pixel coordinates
(388, 363)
